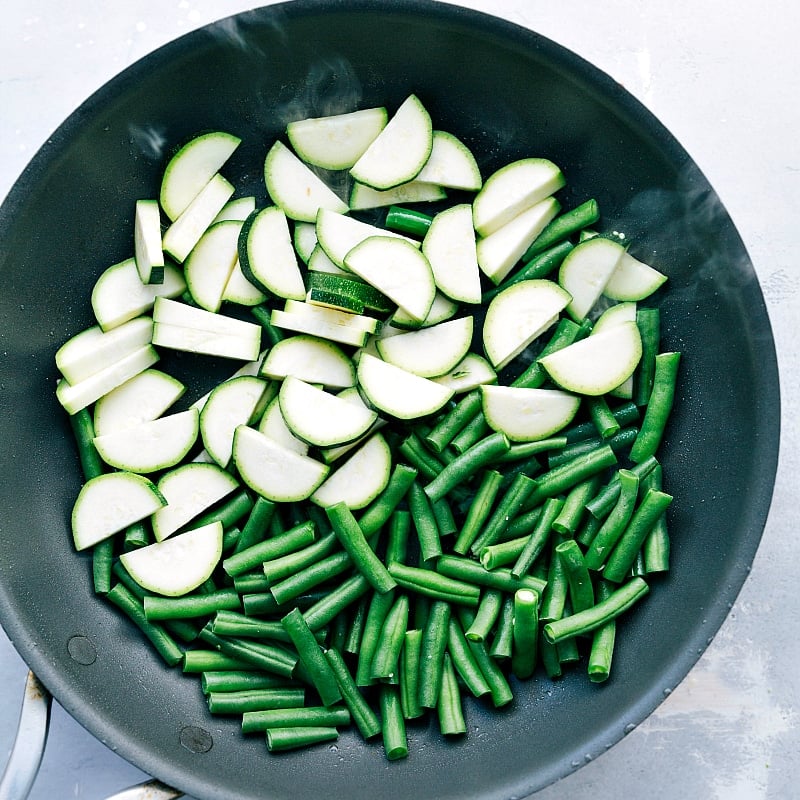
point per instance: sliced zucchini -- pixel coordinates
(586, 270)
(517, 315)
(397, 269)
(363, 197)
(429, 352)
(308, 324)
(189, 490)
(633, 280)
(192, 167)
(273, 471)
(140, 399)
(209, 266)
(238, 401)
(472, 371)
(450, 247)
(400, 150)
(499, 251)
(304, 238)
(241, 291)
(151, 446)
(179, 565)
(295, 188)
(242, 347)
(311, 359)
(334, 300)
(332, 316)
(597, 364)
(614, 315)
(336, 141)
(527, 415)
(351, 395)
(239, 209)
(119, 294)
(511, 190)
(184, 233)
(360, 479)
(350, 285)
(174, 312)
(397, 392)
(320, 418)
(251, 368)
(451, 164)
(147, 249)
(93, 349)
(442, 309)
(273, 425)
(267, 256)
(110, 503)
(320, 262)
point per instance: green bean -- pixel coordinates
(554, 595)
(537, 266)
(325, 610)
(622, 557)
(399, 531)
(563, 226)
(311, 576)
(467, 464)
(82, 426)
(262, 315)
(523, 524)
(212, 660)
(522, 450)
(606, 423)
(656, 547)
(471, 572)
(291, 738)
(408, 220)
(434, 643)
(619, 601)
(658, 408)
(508, 507)
(238, 680)
(581, 590)
(337, 629)
(296, 717)
(229, 512)
(393, 724)
(356, 628)
(192, 605)
(615, 523)
(485, 616)
(525, 633)
(352, 539)
(464, 661)
(448, 707)
(572, 512)
(602, 650)
(625, 414)
(648, 320)
(426, 464)
(548, 655)
(257, 525)
(254, 556)
(254, 700)
(409, 674)
(499, 689)
(268, 657)
(251, 583)
(453, 422)
(479, 510)
(435, 585)
(424, 523)
(502, 553)
(445, 519)
(502, 647)
(390, 641)
(311, 657)
(538, 538)
(471, 433)
(565, 333)
(567, 649)
(276, 569)
(618, 442)
(136, 535)
(379, 511)
(379, 607)
(364, 717)
(102, 566)
(602, 503)
(591, 525)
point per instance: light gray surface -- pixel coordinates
(724, 79)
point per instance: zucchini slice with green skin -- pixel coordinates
(365, 197)
(333, 316)
(513, 189)
(517, 315)
(273, 425)
(209, 266)
(397, 392)
(400, 150)
(151, 446)
(319, 262)
(308, 324)
(442, 309)
(238, 346)
(189, 490)
(295, 188)
(119, 295)
(241, 291)
(178, 565)
(147, 249)
(267, 255)
(621, 312)
(142, 398)
(304, 238)
(597, 364)
(451, 164)
(472, 371)
(311, 359)
(336, 141)
(320, 418)
(192, 167)
(359, 479)
(349, 285)
(633, 280)
(239, 209)
(432, 351)
(273, 471)
(586, 270)
(111, 502)
(527, 415)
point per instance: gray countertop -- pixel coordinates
(725, 80)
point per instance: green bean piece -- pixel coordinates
(563, 226)
(434, 643)
(602, 649)
(254, 556)
(229, 512)
(648, 320)
(254, 700)
(448, 707)
(213, 660)
(548, 655)
(554, 595)
(257, 525)
(659, 407)
(523, 524)
(507, 508)
(356, 627)
(486, 615)
(424, 523)
(192, 605)
(238, 680)
(299, 716)
(102, 566)
(266, 656)
(581, 590)
(379, 511)
(130, 605)
(393, 724)
(426, 464)
(525, 633)
(280, 740)
(445, 519)
(538, 265)
(281, 567)
(337, 630)
(652, 506)
(313, 575)
(471, 572)
(251, 583)
(602, 503)
(379, 607)
(361, 713)
(263, 318)
(471, 433)
(409, 674)
(522, 450)
(618, 442)
(615, 523)
(502, 647)
(397, 541)
(463, 660)
(479, 510)
(565, 333)
(606, 423)
(352, 539)
(325, 610)
(390, 641)
(408, 220)
(619, 601)
(454, 421)
(625, 414)
(656, 548)
(502, 553)
(433, 584)
(567, 651)
(311, 657)
(591, 525)
(538, 538)
(499, 689)
(82, 426)
(136, 536)
(467, 464)
(569, 519)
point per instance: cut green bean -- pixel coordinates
(591, 525)
(648, 320)
(424, 523)
(136, 535)
(193, 605)
(257, 525)
(409, 674)
(538, 539)
(238, 680)
(434, 643)
(502, 647)
(548, 655)
(522, 450)
(379, 511)
(507, 508)
(277, 569)
(385, 661)
(486, 615)
(393, 724)
(616, 522)
(408, 220)
(625, 414)
(502, 553)
(433, 584)
(573, 511)
(325, 610)
(82, 426)
(254, 700)
(445, 519)
(563, 226)
(525, 633)
(361, 713)
(538, 265)
(618, 442)
(356, 628)
(606, 423)
(292, 738)
(581, 589)
(448, 707)
(567, 650)
(263, 317)
(298, 716)
(213, 660)
(294, 539)
(229, 512)
(523, 524)
(379, 607)
(602, 503)
(413, 451)
(313, 575)
(454, 421)
(266, 656)
(464, 661)
(471, 572)
(479, 510)
(554, 595)
(602, 650)
(102, 566)
(399, 533)
(565, 333)
(471, 433)
(659, 407)
(499, 688)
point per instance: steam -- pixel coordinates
(148, 140)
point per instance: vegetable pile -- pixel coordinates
(433, 470)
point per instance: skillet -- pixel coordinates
(507, 92)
